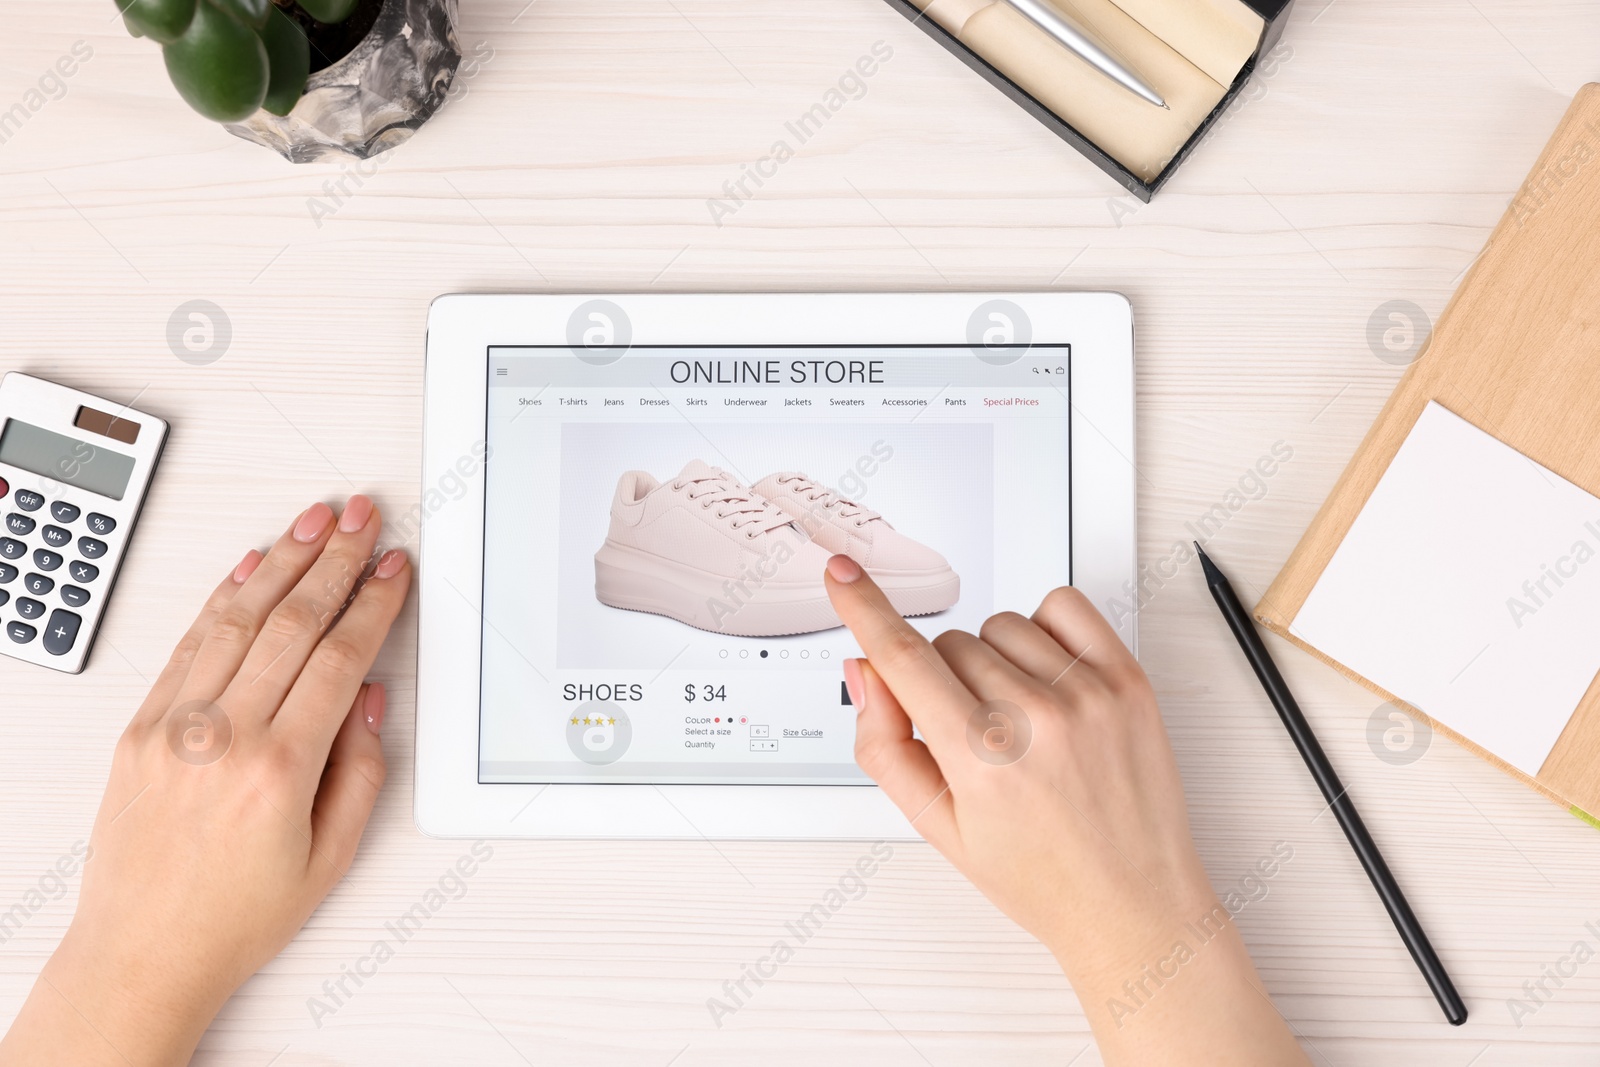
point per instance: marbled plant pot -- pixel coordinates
(376, 96)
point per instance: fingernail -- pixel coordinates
(247, 566)
(855, 684)
(356, 513)
(390, 564)
(844, 569)
(312, 523)
(377, 702)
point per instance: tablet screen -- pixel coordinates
(656, 524)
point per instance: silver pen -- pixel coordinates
(1078, 39)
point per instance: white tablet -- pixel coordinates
(627, 500)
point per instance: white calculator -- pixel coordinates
(73, 474)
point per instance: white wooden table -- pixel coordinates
(1370, 166)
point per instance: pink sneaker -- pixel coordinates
(917, 580)
(703, 549)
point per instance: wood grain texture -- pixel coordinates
(1370, 165)
(1515, 353)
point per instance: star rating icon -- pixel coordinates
(598, 720)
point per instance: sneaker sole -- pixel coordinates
(633, 580)
(920, 594)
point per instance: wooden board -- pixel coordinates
(1517, 353)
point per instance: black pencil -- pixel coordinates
(1244, 629)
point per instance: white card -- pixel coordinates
(1469, 587)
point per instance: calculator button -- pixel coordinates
(29, 609)
(83, 572)
(5, 487)
(60, 632)
(20, 525)
(5, 598)
(28, 500)
(10, 549)
(71, 596)
(55, 536)
(21, 632)
(64, 512)
(89, 548)
(101, 524)
(46, 560)
(38, 584)
(8, 573)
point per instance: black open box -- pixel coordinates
(1274, 13)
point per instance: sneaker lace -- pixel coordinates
(739, 505)
(817, 493)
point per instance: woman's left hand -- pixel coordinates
(237, 797)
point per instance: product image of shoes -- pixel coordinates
(706, 551)
(917, 580)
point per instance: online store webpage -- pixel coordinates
(657, 524)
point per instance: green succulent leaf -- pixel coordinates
(328, 11)
(219, 65)
(159, 20)
(252, 13)
(289, 55)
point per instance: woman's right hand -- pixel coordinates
(1041, 769)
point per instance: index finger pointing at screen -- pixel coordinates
(932, 695)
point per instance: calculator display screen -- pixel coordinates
(65, 460)
(649, 612)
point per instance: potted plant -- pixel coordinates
(308, 78)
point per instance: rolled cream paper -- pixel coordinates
(1136, 133)
(953, 14)
(1218, 36)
